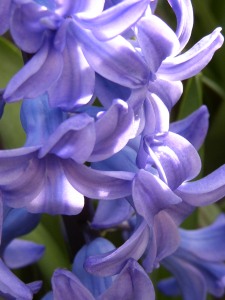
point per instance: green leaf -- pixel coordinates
(11, 132)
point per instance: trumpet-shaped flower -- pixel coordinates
(66, 54)
(52, 159)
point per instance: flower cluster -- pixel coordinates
(99, 81)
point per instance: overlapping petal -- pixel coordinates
(75, 85)
(95, 284)
(112, 262)
(27, 27)
(163, 242)
(168, 91)
(113, 130)
(151, 195)
(18, 167)
(45, 68)
(74, 138)
(66, 285)
(115, 59)
(131, 283)
(175, 158)
(157, 41)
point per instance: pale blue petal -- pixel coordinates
(113, 130)
(168, 91)
(112, 262)
(12, 286)
(106, 91)
(179, 212)
(95, 284)
(190, 280)
(115, 20)
(132, 283)
(48, 296)
(213, 273)
(151, 195)
(115, 59)
(44, 68)
(194, 127)
(21, 253)
(194, 60)
(111, 213)
(206, 243)
(5, 11)
(18, 167)
(164, 241)
(25, 26)
(176, 159)
(98, 184)
(39, 121)
(67, 286)
(204, 191)
(157, 41)
(124, 160)
(74, 138)
(75, 85)
(57, 195)
(184, 14)
(169, 287)
(88, 6)
(16, 222)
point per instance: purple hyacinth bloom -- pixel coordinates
(131, 283)
(163, 162)
(53, 156)
(161, 50)
(198, 264)
(66, 54)
(160, 162)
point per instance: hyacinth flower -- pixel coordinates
(131, 283)
(158, 164)
(198, 263)
(161, 50)
(17, 253)
(156, 206)
(53, 156)
(54, 34)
